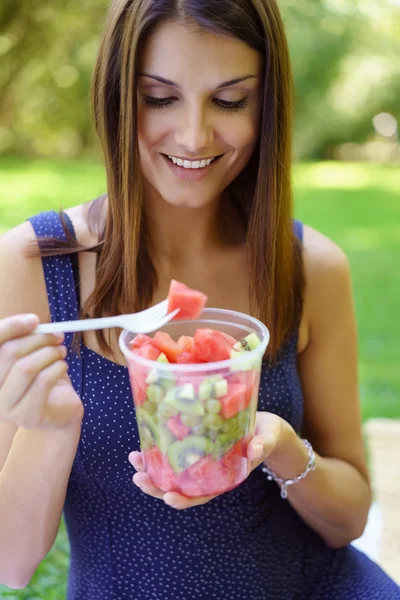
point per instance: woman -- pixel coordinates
(176, 84)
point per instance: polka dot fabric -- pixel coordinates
(246, 544)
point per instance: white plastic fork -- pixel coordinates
(144, 321)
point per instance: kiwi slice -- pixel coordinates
(213, 422)
(187, 402)
(183, 454)
(222, 444)
(154, 393)
(149, 407)
(248, 343)
(160, 433)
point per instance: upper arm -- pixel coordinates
(23, 290)
(328, 367)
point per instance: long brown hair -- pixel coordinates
(126, 276)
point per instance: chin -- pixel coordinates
(185, 202)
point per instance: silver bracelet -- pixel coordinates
(284, 483)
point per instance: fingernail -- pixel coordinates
(30, 320)
(258, 451)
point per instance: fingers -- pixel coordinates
(17, 348)
(143, 482)
(135, 458)
(25, 370)
(17, 326)
(32, 410)
(173, 499)
(179, 502)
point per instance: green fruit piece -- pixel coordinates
(230, 427)
(189, 420)
(149, 407)
(152, 377)
(187, 391)
(245, 364)
(146, 439)
(162, 358)
(213, 406)
(212, 435)
(199, 429)
(185, 453)
(243, 419)
(167, 383)
(221, 388)
(149, 426)
(250, 342)
(154, 393)
(221, 445)
(186, 401)
(205, 389)
(213, 422)
(190, 408)
(165, 411)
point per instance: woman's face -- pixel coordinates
(196, 113)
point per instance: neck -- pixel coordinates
(181, 235)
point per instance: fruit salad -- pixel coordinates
(194, 427)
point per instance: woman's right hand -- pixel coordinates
(35, 390)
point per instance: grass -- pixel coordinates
(356, 205)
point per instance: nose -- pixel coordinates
(195, 133)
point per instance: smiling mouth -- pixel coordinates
(193, 161)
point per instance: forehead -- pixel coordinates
(178, 52)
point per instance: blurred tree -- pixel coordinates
(344, 54)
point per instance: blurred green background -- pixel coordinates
(346, 67)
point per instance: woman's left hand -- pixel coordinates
(268, 435)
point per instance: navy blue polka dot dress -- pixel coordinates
(247, 544)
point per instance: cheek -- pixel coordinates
(151, 127)
(242, 135)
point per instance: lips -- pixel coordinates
(193, 160)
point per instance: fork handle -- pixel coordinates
(79, 325)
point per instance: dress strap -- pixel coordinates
(298, 229)
(58, 270)
(60, 285)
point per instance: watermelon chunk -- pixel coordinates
(159, 470)
(140, 340)
(164, 343)
(190, 302)
(238, 398)
(186, 343)
(177, 428)
(148, 351)
(138, 384)
(211, 346)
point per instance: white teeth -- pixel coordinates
(187, 164)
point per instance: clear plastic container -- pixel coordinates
(195, 420)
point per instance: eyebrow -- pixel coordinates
(220, 86)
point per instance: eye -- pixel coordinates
(231, 106)
(157, 102)
(222, 104)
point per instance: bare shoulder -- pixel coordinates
(327, 275)
(321, 254)
(21, 275)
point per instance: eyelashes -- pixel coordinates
(221, 104)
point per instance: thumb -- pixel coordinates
(268, 428)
